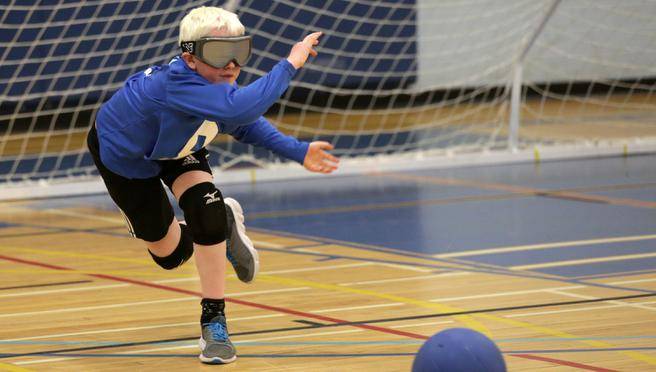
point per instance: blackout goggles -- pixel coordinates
(220, 51)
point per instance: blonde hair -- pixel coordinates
(209, 21)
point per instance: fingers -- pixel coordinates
(318, 160)
(324, 145)
(313, 38)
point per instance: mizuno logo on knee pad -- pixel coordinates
(211, 197)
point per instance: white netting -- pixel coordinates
(392, 76)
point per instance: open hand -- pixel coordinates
(318, 160)
(303, 49)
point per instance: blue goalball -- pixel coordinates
(459, 350)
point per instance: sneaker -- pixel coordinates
(215, 346)
(240, 251)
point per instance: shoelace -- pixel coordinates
(218, 331)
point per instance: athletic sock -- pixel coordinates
(211, 308)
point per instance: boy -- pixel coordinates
(155, 128)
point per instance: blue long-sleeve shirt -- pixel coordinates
(170, 111)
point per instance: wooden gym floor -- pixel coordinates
(555, 262)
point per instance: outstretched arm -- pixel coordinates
(234, 106)
(313, 155)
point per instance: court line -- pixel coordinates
(634, 281)
(195, 345)
(471, 323)
(469, 266)
(627, 304)
(501, 294)
(522, 190)
(12, 368)
(409, 278)
(567, 364)
(45, 285)
(613, 274)
(377, 206)
(422, 324)
(128, 329)
(143, 283)
(319, 268)
(233, 300)
(389, 304)
(568, 193)
(584, 261)
(555, 361)
(641, 357)
(139, 303)
(468, 321)
(242, 302)
(98, 307)
(63, 290)
(530, 247)
(562, 311)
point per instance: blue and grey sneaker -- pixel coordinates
(215, 345)
(239, 248)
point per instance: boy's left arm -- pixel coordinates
(312, 156)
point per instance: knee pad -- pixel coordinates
(180, 255)
(205, 213)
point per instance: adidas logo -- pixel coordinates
(188, 160)
(211, 198)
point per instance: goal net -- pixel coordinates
(408, 78)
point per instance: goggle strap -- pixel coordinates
(188, 46)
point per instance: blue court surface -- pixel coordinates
(596, 216)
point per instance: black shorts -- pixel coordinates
(144, 202)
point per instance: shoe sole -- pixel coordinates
(214, 360)
(244, 240)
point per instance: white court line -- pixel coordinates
(583, 261)
(195, 345)
(627, 304)
(422, 324)
(127, 304)
(177, 280)
(500, 294)
(333, 267)
(51, 360)
(562, 311)
(120, 221)
(86, 308)
(70, 213)
(391, 304)
(64, 290)
(128, 329)
(405, 267)
(633, 281)
(530, 247)
(113, 330)
(421, 277)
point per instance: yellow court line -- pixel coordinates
(467, 319)
(12, 368)
(411, 301)
(530, 247)
(583, 261)
(557, 333)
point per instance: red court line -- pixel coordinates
(564, 363)
(286, 311)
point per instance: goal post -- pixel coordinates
(397, 84)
